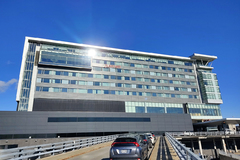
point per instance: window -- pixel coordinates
(132, 65)
(106, 76)
(152, 73)
(89, 83)
(90, 91)
(139, 79)
(82, 82)
(146, 72)
(96, 83)
(112, 92)
(73, 82)
(127, 78)
(139, 86)
(119, 70)
(97, 68)
(133, 79)
(119, 84)
(152, 80)
(106, 92)
(113, 77)
(112, 63)
(147, 87)
(105, 84)
(138, 72)
(90, 75)
(156, 67)
(146, 79)
(151, 66)
(133, 72)
(126, 71)
(155, 110)
(57, 80)
(128, 85)
(119, 78)
(163, 68)
(134, 93)
(64, 89)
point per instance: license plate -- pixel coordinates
(124, 151)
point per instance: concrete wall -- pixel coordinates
(37, 123)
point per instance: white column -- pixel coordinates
(224, 145)
(200, 147)
(235, 146)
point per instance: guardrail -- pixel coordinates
(183, 152)
(218, 133)
(44, 150)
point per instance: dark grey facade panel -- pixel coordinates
(41, 104)
(37, 123)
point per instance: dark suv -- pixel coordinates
(129, 148)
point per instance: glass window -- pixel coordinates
(46, 80)
(64, 89)
(119, 70)
(119, 77)
(112, 92)
(97, 91)
(155, 110)
(89, 83)
(57, 80)
(96, 83)
(112, 69)
(82, 82)
(40, 71)
(147, 86)
(127, 78)
(112, 63)
(97, 76)
(105, 91)
(105, 84)
(97, 68)
(90, 75)
(105, 69)
(90, 91)
(134, 93)
(152, 73)
(113, 77)
(139, 109)
(139, 79)
(82, 91)
(127, 64)
(133, 72)
(132, 65)
(133, 79)
(73, 82)
(106, 76)
(174, 110)
(163, 68)
(146, 79)
(133, 85)
(154, 94)
(138, 65)
(119, 84)
(65, 73)
(138, 72)
(128, 85)
(151, 66)
(145, 66)
(58, 73)
(140, 93)
(139, 86)
(146, 72)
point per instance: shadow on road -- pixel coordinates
(105, 159)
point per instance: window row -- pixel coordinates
(147, 73)
(204, 112)
(148, 109)
(111, 84)
(142, 58)
(114, 77)
(113, 92)
(116, 64)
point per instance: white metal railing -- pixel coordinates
(183, 152)
(218, 133)
(43, 150)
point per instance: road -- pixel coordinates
(100, 154)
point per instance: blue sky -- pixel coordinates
(171, 27)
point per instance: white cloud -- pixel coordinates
(4, 85)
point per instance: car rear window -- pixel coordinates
(119, 142)
(125, 140)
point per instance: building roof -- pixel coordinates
(47, 41)
(218, 122)
(203, 57)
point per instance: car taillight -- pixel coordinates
(153, 135)
(145, 140)
(137, 145)
(113, 144)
